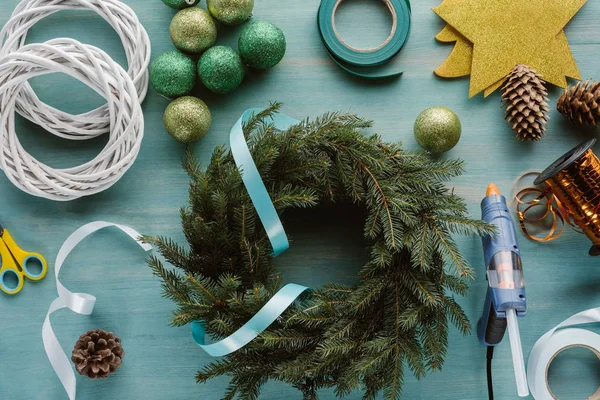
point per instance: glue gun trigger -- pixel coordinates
(495, 329)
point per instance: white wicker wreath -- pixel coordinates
(97, 70)
(135, 42)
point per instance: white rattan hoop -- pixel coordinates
(96, 69)
(135, 42)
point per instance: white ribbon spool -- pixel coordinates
(80, 303)
(135, 42)
(96, 69)
(554, 342)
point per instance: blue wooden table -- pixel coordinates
(161, 361)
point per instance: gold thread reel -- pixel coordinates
(366, 63)
(544, 199)
(572, 195)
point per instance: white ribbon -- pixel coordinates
(555, 341)
(81, 303)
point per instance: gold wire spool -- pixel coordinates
(574, 180)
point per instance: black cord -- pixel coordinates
(490, 356)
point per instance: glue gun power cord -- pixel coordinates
(490, 356)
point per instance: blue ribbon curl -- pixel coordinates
(277, 236)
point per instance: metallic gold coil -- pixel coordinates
(575, 182)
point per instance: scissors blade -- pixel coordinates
(10, 251)
(15, 259)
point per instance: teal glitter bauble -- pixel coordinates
(437, 129)
(173, 74)
(262, 45)
(231, 12)
(193, 30)
(221, 69)
(181, 4)
(187, 119)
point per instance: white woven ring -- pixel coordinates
(135, 42)
(96, 69)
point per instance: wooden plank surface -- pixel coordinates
(161, 361)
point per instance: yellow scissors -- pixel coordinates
(16, 264)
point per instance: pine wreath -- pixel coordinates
(348, 338)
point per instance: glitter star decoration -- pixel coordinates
(491, 37)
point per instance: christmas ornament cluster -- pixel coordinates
(221, 69)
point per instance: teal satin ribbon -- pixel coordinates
(272, 224)
(258, 323)
(373, 63)
(253, 182)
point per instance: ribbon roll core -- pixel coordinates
(365, 63)
(554, 342)
(588, 339)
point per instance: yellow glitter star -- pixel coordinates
(509, 32)
(460, 59)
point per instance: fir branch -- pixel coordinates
(449, 249)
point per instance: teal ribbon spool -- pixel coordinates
(279, 241)
(368, 63)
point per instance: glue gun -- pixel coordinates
(505, 299)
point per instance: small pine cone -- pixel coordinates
(525, 97)
(97, 354)
(580, 103)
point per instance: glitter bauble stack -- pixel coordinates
(220, 69)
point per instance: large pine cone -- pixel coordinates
(97, 354)
(525, 97)
(580, 103)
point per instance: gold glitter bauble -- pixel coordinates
(187, 119)
(193, 30)
(231, 12)
(437, 129)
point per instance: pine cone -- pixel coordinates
(97, 354)
(580, 103)
(525, 97)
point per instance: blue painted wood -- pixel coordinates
(161, 361)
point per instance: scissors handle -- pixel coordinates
(11, 278)
(34, 266)
(17, 263)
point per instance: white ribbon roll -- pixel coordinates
(555, 341)
(80, 303)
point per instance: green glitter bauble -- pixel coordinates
(187, 119)
(437, 129)
(221, 69)
(231, 12)
(173, 74)
(180, 4)
(193, 30)
(262, 45)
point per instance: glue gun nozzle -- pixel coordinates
(492, 189)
